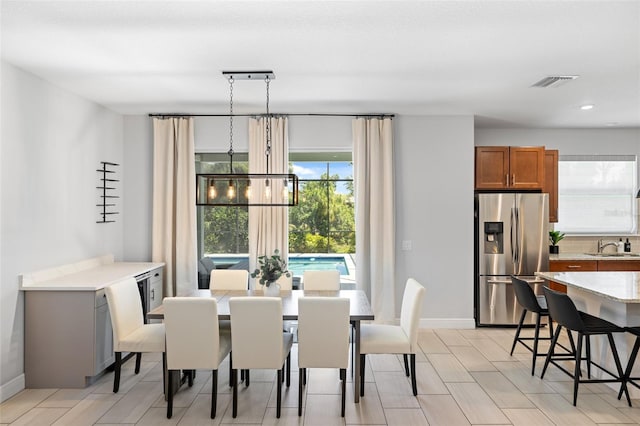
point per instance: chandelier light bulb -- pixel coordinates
(285, 190)
(212, 190)
(231, 191)
(247, 191)
(267, 189)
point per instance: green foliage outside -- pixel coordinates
(323, 221)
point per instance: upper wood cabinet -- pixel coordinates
(551, 182)
(504, 167)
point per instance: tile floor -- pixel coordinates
(464, 377)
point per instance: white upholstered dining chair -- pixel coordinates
(321, 280)
(194, 341)
(130, 333)
(396, 339)
(229, 279)
(258, 341)
(323, 339)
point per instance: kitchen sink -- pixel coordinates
(614, 254)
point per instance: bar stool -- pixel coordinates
(564, 312)
(538, 306)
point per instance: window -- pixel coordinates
(596, 194)
(222, 230)
(324, 220)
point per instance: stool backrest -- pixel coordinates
(525, 295)
(563, 310)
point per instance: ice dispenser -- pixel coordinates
(493, 238)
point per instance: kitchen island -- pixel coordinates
(68, 335)
(613, 296)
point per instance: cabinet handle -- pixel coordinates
(156, 274)
(574, 266)
(506, 179)
(153, 294)
(513, 179)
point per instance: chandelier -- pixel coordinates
(248, 189)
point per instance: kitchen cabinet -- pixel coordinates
(513, 168)
(589, 265)
(68, 335)
(570, 266)
(551, 182)
(618, 265)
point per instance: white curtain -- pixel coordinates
(375, 218)
(174, 205)
(268, 226)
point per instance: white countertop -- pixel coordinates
(92, 274)
(598, 257)
(619, 286)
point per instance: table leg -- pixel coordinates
(356, 363)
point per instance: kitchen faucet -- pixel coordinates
(602, 245)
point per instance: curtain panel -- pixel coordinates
(375, 213)
(268, 226)
(174, 239)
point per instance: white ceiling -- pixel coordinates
(403, 57)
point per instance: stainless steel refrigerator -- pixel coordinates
(511, 238)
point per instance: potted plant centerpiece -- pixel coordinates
(270, 268)
(554, 238)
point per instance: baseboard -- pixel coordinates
(11, 388)
(460, 323)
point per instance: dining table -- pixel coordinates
(359, 310)
(613, 296)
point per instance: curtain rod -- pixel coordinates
(275, 114)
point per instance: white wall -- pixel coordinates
(434, 210)
(52, 143)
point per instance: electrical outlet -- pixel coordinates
(406, 245)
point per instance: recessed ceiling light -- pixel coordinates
(612, 123)
(587, 107)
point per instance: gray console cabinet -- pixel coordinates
(68, 334)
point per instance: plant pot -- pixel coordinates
(272, 290)
(554, 249)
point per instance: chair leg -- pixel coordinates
(515, 338)
(550, 322)
(289, 369)
(234, 409)
(138, 360)
(214, 393)
(630, 363)
(406, 364)
(165, 377)
(576, 374)
(414, 384)
(300, 390)
(550, 353)
(362, 360)
(588, 356)
(117, 367)
(616, 358)
(230, 370)
(170, 395)
(343, 376)
(536, 335)
(247, 380)
(279, 393)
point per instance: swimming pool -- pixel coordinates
(297, 263)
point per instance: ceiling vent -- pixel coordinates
(554, 81)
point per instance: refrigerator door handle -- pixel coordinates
(517, 250)
(511, 236)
